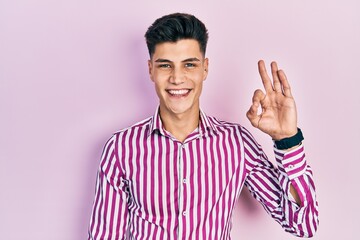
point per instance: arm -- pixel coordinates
(278, 119)
(272, 186)
(109, 216)
(279, 116)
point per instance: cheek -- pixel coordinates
(160, 76)
(200, 77)
(158, 90)
(200, 86)
(159, 86)
(204, 75)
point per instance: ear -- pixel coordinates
(206, 68)
(150, 68)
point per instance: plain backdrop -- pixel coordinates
(72, 72)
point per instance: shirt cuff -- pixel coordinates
(291, 163)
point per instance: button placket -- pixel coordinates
(182, 180)
(184, 163)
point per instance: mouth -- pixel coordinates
(178, 92)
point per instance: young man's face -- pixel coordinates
(178, 71)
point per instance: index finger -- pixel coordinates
(265, 77)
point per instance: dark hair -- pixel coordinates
(174, 27)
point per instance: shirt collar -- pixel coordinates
(156, 123)
(206, 125)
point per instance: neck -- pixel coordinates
(180, 125)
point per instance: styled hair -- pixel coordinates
(174, 27)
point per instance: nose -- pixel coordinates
(177, 76)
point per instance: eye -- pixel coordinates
(189, 65)
(164, 65)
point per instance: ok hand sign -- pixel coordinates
(278, 116)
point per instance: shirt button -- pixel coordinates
(291, 166)
(184, 213)
(184, 181)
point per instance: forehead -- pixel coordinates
(184, 48)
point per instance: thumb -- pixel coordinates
(252, 114)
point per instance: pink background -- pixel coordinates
(72, 72)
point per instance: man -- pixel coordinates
(178, 174)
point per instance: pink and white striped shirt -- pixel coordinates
(152, 186)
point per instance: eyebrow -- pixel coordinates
(161, 60)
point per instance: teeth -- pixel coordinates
(178, 92)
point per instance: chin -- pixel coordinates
(179, 109)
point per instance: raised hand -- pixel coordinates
(278, 116)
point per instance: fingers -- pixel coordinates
(285, 84)
(252, 113)
(258, 96)
(279, 83)
(265, 77)
(275, 75)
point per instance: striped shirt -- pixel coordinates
(152, 186)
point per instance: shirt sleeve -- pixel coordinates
(109, 218)
(271, 187)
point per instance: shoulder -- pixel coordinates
(141, 127)
(220, 124)
(236, 128)
(119, 136)
(126, 138)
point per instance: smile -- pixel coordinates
(179, 92)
